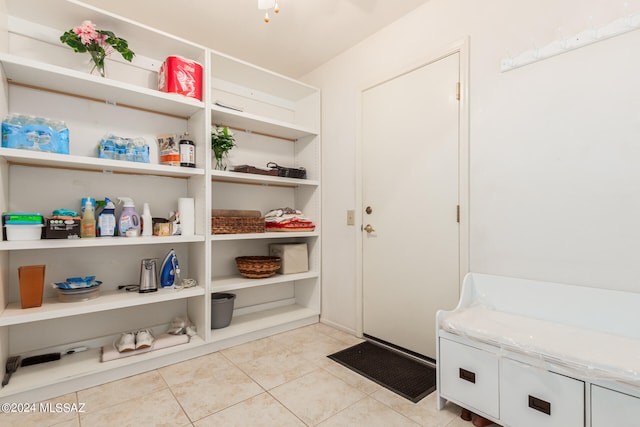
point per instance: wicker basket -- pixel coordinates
(257, 267)
(236, 225)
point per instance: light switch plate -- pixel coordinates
(351, 217)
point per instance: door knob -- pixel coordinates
(368, 228)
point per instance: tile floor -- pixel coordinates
(283, 380)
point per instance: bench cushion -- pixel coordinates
(597, 355)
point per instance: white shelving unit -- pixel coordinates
(275, 119)
(279, 122)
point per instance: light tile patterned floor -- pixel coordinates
(283, 380)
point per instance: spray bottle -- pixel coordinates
(147, 221)
(129, 222)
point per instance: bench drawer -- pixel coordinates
(611, 408)
(469, 376)
(534, 397)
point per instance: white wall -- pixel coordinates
(555, 146)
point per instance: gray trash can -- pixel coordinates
(221, 309)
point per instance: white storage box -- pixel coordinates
(23, 231)
(293, 256)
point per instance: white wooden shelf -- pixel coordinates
(71, 162)
(229, 70)
(257, 124)
(78, 365)
(256, 236)
(283, 117)
(39, 75)
(98, 242)
(225, 284)
(260, 320)
(51, 308)
(256, 179)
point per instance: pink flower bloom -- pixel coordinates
(87, 32)
(101, 40)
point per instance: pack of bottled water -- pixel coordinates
(119, 148)
(35, 133)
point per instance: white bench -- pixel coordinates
(522, 352)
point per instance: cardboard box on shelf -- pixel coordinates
(294, 257)
(57, 228)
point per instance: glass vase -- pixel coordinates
(97, 60)
(221, 163)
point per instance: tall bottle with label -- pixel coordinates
(147, 221)
(107, 219)
(88, 222)
(187, 151)
(129, 222)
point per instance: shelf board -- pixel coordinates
(98, 242)
(78, 365)
(225, 284)
(252, 123)
(236, 71)
(260, 320)
(93, 164)
(109, 300)
(256, 179)
(255, 236)
(39, 75)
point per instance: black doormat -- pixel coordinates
(392, 370)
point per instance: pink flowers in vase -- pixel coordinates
(99, 44)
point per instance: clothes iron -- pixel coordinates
(170, 270)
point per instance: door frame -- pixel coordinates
(462, 48)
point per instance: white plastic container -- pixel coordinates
(147, 221)
(23, 231)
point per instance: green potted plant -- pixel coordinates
(222, 141)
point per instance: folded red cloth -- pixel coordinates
(294, 224)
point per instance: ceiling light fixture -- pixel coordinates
(266, 5)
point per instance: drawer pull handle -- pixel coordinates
(540, 405)
(468, 375)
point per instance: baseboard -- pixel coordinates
(339, 327)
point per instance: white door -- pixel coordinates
(410, 201)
